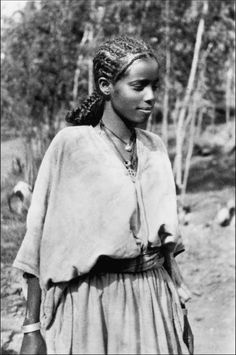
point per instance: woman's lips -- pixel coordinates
(145, 110)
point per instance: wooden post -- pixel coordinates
(167, 77)
(190, 146)
(229, 75)
(76, 79)
(90, 76)
(191, 119)
(182, 115)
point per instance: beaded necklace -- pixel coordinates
(129, 145)
(131, 165)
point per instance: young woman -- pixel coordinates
(102, 229)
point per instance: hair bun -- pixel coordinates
(88, 113)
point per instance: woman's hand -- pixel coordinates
(184, 293)
(173, 270)
(33, 344)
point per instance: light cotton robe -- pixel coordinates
(83, 206)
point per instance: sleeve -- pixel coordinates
(172, 239)
(171, 228)
(27, 258)
(179, 247)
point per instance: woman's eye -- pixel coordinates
(141, 87)
(138, 88)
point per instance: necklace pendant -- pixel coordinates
(128, 163)
(128, 147)
(132, 174)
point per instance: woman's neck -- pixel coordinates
(115, 123)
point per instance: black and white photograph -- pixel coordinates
(118, 177)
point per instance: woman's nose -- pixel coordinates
(149, 94)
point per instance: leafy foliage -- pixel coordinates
(42, 46)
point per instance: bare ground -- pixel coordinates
(208, 266)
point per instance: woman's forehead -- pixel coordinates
(143, 68)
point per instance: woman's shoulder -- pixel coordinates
(71, 132)
(150, 139)
(68, 140)
(70, 135)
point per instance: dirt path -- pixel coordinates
(209, 269)
(208, 266)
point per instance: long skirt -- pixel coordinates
(118, 313)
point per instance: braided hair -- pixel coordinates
(111, 62)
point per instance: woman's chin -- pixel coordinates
(142, 121)
(142, 125)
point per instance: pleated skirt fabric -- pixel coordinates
(118, 313)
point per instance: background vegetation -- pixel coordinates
(46, 65)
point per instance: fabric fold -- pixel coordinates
(82, 210)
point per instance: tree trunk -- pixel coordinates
(199, 122)
(182, 115)
(167, 77)
(76, 79)
(190, 148)
(197, 97)
(229, 75)
(90, 76)
(144, 17)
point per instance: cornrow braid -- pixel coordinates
(89, 113)
(111, 62)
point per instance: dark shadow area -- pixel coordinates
(212, 173)
(7, 352)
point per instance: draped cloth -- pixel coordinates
(148, 259)
(118, 313)
(84, 200)
(127, 312)
(82, 209)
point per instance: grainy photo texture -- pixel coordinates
(118, 177)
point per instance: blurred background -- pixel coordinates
(46, 69)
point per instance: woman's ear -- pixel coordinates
(105, 87)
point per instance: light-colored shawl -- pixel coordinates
(83, 202)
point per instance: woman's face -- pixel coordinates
(132, 96)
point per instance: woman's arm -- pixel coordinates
(33, 342)
(173, 270)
